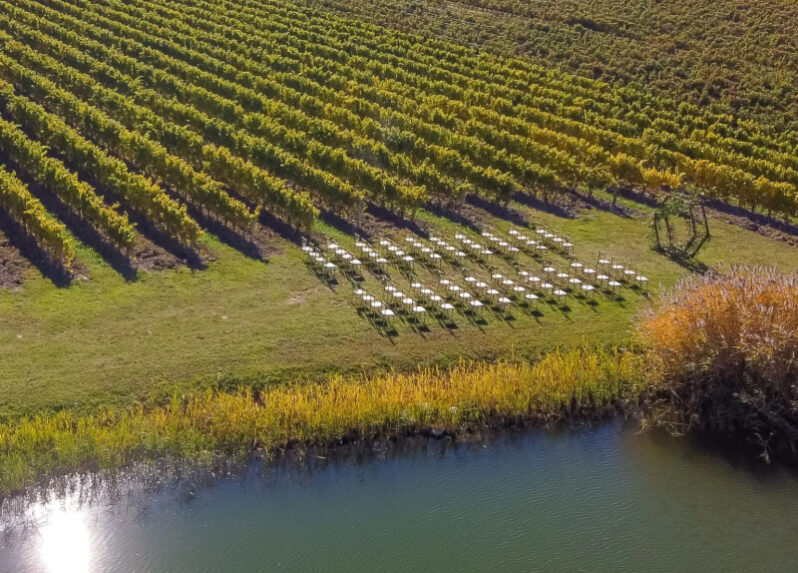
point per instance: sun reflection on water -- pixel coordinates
(64, 541)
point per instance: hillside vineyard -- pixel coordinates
(148, 107)
(734, 57)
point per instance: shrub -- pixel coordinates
(722, 349)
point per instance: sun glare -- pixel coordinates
(65, 542)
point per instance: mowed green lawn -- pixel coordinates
(109, 342)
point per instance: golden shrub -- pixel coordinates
(724, 347)
(741, 323)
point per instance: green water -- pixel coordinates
(598, 500)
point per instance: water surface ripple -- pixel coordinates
(591, 500)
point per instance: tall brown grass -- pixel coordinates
(724, 351)
(561, 385)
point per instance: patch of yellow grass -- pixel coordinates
(238, 423)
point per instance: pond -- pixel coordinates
(602, 499)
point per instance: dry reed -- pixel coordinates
(562, 384)
(724, 351)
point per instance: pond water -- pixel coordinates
(603, 499)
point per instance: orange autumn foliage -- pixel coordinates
(724, 352)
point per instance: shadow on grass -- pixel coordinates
(475, 319)
(281, 228)
(453, 216)
(189, 256)
(504, 316)
(384, 327)
(589, 302)
(84, 232)
(561, 307)
(396, 219)
(540, 205)
(355, 278)
(638, 197)
(229, 236)
(29, 248)
(602, 204)
(417, 324)
(786, 227)
(327, 280)
(446, 322)
(498, 210)
(684, 260)
(183, 253)
(344, 225)
(535, 313)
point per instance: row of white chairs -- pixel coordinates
(374, 258)
(477, 294)
(502, 246)
(621, 272)
(368, 301)
(396, 254)
(476, 250)
(447, 250)
(607, 272)
(388, 307)
(404, 303)
(423, 252)
(446, 296)
(528, 244)
(320, 263)
(544, 238)
(343, 258)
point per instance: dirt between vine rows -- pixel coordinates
(150, 257)
(12, 265)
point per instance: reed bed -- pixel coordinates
(560, 386)
(724, 351)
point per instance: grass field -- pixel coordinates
(107, 341)
(183, 126)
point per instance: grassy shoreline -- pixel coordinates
(716, 357)
(561, 386)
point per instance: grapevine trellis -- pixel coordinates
(235, 107)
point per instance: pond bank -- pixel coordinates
(563, 386)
